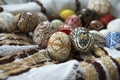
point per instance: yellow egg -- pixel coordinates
(66, 13)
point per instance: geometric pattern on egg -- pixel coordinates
(27, 22)
(59, 46)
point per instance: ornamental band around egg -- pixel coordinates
(27, 22)
(82, 40)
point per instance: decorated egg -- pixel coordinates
(7, 22)
(56, 23)
(59, 46)
(100, 6)
(66, 13)
(96, 25)
(74, 21)
(42, 34)
(82, 40)
(65, 28)
(105, 19)
(27, 21)
(87, 16)
(113, 40)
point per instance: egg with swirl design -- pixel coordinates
(82, 40)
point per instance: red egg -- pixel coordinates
(73, 21)
(66, 31)
(65, 28)
(105, 19)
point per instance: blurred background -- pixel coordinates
(5, 2)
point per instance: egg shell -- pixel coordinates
(42, 34)
(59, 46)
(114, 26)
(56, 23)
(7, 22)
(27, 21)
(74, 21)
(96, 25)
(65, 28)
(66, 13)
(100, 6)
(105, 19)
(113, 40)
(82, 40)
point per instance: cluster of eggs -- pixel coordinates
(58, 36)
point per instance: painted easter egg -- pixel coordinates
(65, 28)
(59, 46)
(113, 40)
(42, 34)
(100, 6)
(73, 21)
(82, 40)
(27, 21)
